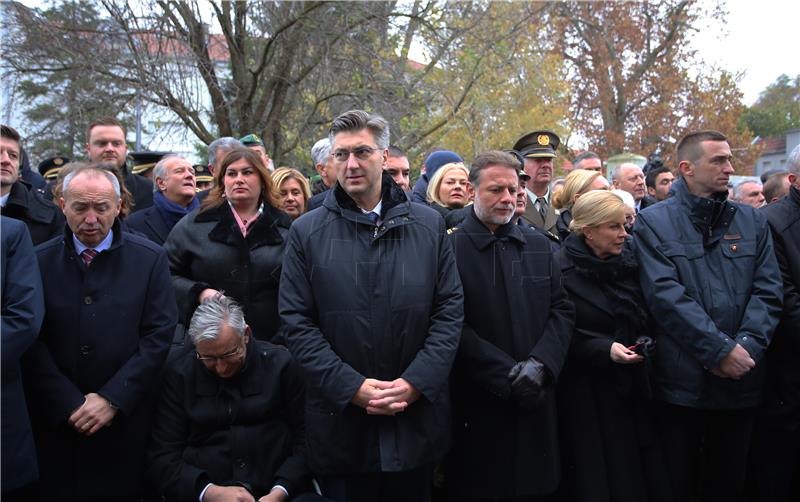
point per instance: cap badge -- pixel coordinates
(543, 139)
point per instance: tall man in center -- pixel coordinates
(517, 327)
(372, 305)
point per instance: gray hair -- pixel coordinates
(320, 151)
(160, 169)
(615, 173)
(793, 161)
(356, 120)
(95, 169)
(583, 156)
(224, 143)
(737, 190)
(209, 318)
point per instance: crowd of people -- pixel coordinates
(488, 334)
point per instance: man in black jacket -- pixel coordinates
(517, 327)
(372, 306)
(105, 143)
(19, 200)
(709, 276)
(776, 445)
(229, 425)
(92, 375)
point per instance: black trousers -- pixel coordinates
(775, 464)
(713, 444)
(404, 486)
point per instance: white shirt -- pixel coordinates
(4, 199)
(104, 244)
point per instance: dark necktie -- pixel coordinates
(373, 217)
(542, 206)
(88, 255)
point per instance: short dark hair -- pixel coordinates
(104, 121)
(689, 145)
(652, 175)
(774, 185)
(395, 152)
(9, 132)
(492, 158)
(356, 120)
(584, 156)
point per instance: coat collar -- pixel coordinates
(481, 236)
(248, 380)
(711, 216)
(394, 201)
(265, 231)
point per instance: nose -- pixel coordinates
(351, 160)
(4, 158)
(728, 167)
(91, 217)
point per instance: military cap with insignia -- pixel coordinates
(251, 140)
(202, 174)
(538, 144)
(144, 161)
(49, 168)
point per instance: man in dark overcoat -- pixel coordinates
(517, 326)
(372, 305)
(776, 442)
(23, 310)
(91, 376)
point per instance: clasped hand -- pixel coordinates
(528, 379)
(94, 413)
(380, 397)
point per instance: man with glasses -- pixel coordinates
(229, 425)
(372, 306)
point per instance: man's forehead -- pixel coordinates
(9, 144)
(177, 162)
(106, 132)
(716, 147)
(356, 138)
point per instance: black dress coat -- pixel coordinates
(609, 449)
(23, 310)
(206, 250)
(149, 223)
(107, 330)
(247, 429)
(380, 301)
(515, 307)
(43, 218)
(782, 401)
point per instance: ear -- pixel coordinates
(211, 169)
(575, 197)
(247, 332)
(385, 157)
(651, 191)
(62, 203)
(615, 183)
(792, 179)
(160, 184)
(686, 168)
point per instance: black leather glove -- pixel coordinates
(528, 379)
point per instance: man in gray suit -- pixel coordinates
(538, 149)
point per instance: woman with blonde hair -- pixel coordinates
(449, 191)
(233, 244)
(577, 183)
(291, 190)
(609, 448)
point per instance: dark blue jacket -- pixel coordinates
(149, 223)
(710, 278)
(107, 329)
(363, 301)
(23, 310)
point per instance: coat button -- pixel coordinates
(241, 463)
(87, 300)
(734, 247)
(85, 350)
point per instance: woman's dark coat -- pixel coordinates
(206, 250)
(515, 307)
(247, 429)
(609, 449)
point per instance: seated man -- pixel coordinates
(229, 424)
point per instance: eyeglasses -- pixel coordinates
(228, 355)
(361, 153)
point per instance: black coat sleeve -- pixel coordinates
(294, 473)
(486, 364)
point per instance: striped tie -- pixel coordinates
(88, 255)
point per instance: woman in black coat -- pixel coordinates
(609, 449)
(233, 243)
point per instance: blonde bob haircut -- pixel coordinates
(288, 173)
(576, 183)
(596, 208)
(436, 182)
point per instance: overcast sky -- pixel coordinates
(762, 39)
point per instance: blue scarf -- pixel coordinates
(170, 211)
